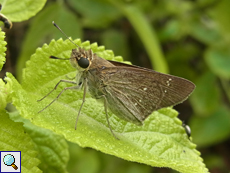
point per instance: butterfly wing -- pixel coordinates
(133, 93)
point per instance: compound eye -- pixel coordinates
(83, 62)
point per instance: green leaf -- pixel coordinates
(96, 14)
(80, 158)
(220, 13)
(205, 33)
(179, 63)
(171, 31)
(13, 138)
(52, 148)
(218, 61)
(206, 98)
(3, 95)
(2, 49)
(119, 45)
(210, 130)
(17, 11)
(160, 142)
(215, 161)
(38, 34)
(3, 89)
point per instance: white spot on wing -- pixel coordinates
(168, 82)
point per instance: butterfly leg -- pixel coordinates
(66, 81)
(67, 88)
(83, 101)
(70, 78)
(107, 117)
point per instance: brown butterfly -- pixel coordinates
(132, 93)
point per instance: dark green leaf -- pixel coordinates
(13, 138)
(206, 97)
(210, 130)
(218, 61)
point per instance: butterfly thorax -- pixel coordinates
(95, 77)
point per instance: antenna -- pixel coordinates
(54, 57)
(64, 33)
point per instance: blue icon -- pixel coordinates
(9, 160)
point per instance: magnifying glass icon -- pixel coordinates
(9, 160)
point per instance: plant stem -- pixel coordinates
(147, 35)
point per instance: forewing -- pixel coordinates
(144, 91)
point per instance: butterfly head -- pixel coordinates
(81, 58)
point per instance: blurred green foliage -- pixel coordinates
(187, 38)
